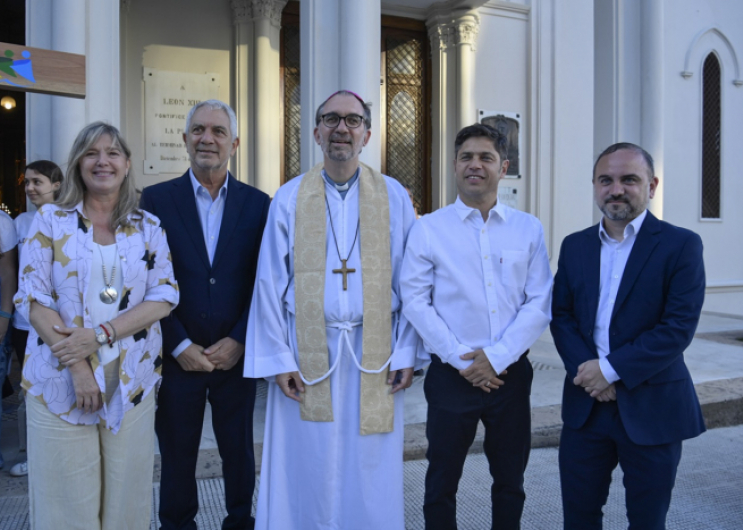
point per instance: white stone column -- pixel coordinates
(319, 22)
(541, 123)
(103, 83)
(267, 137)
(242, 13)
(570, 123)
(443, 112)
(39, 106)
(466, 28)
(652, 73)
(340, 50)
(68, 115)
(75, 26)
(359, 47)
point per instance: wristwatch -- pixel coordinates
(101, 337)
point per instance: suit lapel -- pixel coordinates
(647, 240)
(185, 204)
(592, 270)
(232, 207)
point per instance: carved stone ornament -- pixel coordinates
(466, 30)
(441, 36)
(270, 9)
(241, 11)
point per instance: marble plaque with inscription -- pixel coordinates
(168, 96)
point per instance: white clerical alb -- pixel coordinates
(339, 478)
(497, 300)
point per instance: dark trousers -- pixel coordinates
(589, 455)
(18, 340)
(454, 409)
(178, 423)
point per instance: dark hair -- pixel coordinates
(480, 130)
(627, 146)
(366, 106)
(49, 169)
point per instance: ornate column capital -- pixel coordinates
(441, 36)
(242, 12)
(268, 9)
(466, 29)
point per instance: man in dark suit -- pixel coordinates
(626, 302)
(214, 225)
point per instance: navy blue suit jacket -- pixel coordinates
(215, 299)
(654, 319)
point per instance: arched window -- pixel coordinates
(711, 121)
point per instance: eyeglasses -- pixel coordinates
(332, 120)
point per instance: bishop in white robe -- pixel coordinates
(325, 474)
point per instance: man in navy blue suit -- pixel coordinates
(626, 302)
(214, 225)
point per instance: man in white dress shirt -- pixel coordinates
(326, 330)
(476, 287)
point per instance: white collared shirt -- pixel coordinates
(614, 256)
(210, 215)
(469, 284)
(210, 212)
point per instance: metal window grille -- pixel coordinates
(406, 131)
(711, 121)
(292, 114)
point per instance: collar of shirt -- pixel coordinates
(629, 231)
(342, 188)
(464, 211)
(197, 186)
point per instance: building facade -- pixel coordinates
(564, 78)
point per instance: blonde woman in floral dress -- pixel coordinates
(96, 278)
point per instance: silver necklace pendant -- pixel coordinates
(108, 295)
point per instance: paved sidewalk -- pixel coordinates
(715, 359)
(707, 495)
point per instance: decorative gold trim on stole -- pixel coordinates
(309, 295)
(376, 403)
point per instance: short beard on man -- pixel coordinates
(338, 155)
(628, 212)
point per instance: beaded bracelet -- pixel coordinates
(115, 334)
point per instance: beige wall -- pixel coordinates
(175, 35)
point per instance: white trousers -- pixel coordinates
(84, 477)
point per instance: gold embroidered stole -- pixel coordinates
(377, 404)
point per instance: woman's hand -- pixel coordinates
(86, 389)
(78, 345)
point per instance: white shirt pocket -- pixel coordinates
(514, 266)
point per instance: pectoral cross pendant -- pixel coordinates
(344, 271)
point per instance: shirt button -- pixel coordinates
(489, 284)
(485, 257)
(483, 230)
(616, 276)
(203, 315)
(493, 311)
(212, 281)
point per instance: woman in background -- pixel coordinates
(42, 180)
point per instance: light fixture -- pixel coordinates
(7, 102)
